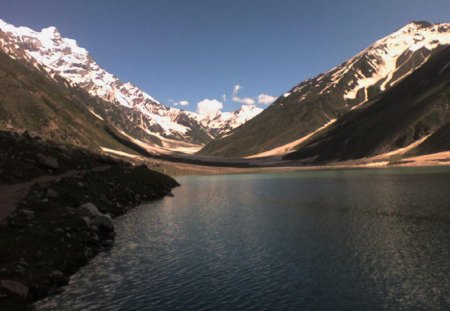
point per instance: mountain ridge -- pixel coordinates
(309, 105)
(417, 110)
(61, 57)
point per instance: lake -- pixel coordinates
(371, 239)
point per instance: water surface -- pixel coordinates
(322, 240)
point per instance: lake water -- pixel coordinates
(322, 240)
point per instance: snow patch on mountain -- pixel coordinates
(386, 52)
(61, 57)
(378, 65)
(223, 122)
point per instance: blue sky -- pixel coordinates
(190, 50)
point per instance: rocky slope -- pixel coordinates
(315, 102)
(123, 104)
(62, 221)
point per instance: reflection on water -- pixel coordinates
(327, 240)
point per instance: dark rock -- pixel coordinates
(56, 275)
(15, 287)
(48, 161)
(88, 210)
(104, 221)
(28, 213)
(20, 269)
(107, 243)
(52, 193)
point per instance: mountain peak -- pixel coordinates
(413, 27)
(421, 24)
(247, 108)
(51, 31)
(63, 57)
(317, 102)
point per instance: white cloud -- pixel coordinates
(209, 107)
(266, 99)
(224, 97)
(245, 101)
(236, 89)
(181, 103)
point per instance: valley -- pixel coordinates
(80, 147)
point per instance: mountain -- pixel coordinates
(32, 102)
(124, 105)
(315, 104)
(413, 116)
(223, 122)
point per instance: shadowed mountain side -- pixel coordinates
(439, 141)
(31, 101)
(416, 107)
(283, 122)
(311, 104)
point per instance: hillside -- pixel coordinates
(125, 105)
(317, 102)
(29, 101)
(417, 108)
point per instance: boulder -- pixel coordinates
(48, 161)
(28, 213)
(52, 193)
(95, 217)
(88, 210)
(15, 287)
(56, 275)
(103, 221)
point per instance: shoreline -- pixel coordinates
(57, 205)
(59, 226)
(84, 227)
(186, 169)
(61, 211)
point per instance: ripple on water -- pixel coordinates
(334, 240)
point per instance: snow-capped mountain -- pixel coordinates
(381, 65)
(223, 122)
(411, 119)
(318, 101)
(60, 57)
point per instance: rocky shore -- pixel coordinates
(62, 222)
